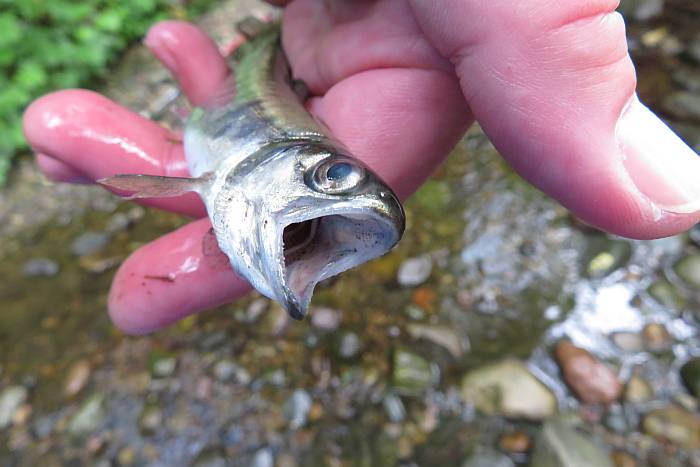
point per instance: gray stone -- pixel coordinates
(89, 417)
(412, 373)
(414, 271)
(40, 267)
(326, 319)
(162, 367)
(263, 458)
(682, 104)
(89, 242)
(394, 408)
(694, 50)
(487, 457)
(688, 269)
(641, 10)
(559, 445)
(297, 408)
(628, 341)
(210, 457)
(508, 388)
(441, 336)
(349, 345)
(11, 399)
(150, 420)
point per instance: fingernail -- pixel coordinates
(664, 168)
(159, 42)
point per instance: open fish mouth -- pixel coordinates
(317, 248)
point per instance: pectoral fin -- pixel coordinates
(154, 186)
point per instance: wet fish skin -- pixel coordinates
(289, 205)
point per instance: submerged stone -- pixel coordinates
(628, 341)
(641, 10)
(487, 457)
(89, 243)
(349, 345)
(297, 408)
(210, 457)
(441, 336)
(638, 390)
(89, 417)
(414, 271)
(559, 445)
(508, 388)
(690, 374)
(394, 408)
(589, 378)
(78, 376)
(40, 267)
(673, 424)
(11, 399)
(412, 373)
(667, 295)
(516, 442)
(682, 104)
(657, 339)
(326, 319)
(688, 269)
(606, 255)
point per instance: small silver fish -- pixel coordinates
(288, 204)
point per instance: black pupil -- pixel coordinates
(338, 171)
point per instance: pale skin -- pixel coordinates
(398, 82)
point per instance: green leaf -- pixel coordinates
(30, 75)
(109, 20)
(11, 30)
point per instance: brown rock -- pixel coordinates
(77, 378)
(589, 378)
(657, 338)
(517, 441)
(622, 459)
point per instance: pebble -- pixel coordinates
(11, 399)
(694, 50)
(40, 267)
(688, 269)
(667, 295)
(210, 457)
(638, 390)
(414, 271)
(89, 242)
(263, 458)
(487, 457)
(622, 459)
(515, 442)
(589, 378)
(349, 345)
(256, 308)
(89, 417)
(150, 420)
(656, 337)
(394, 408)
(163, 366)
(673, 424)
(441, 336)
(682, 104)
(508, 388)
(126, 456)
(224, 370)
(78, 376)
(690, 374)
(606, 255)
(658, 458)
(642, 10)
(559, 445)
(297, 408)
(631, 342)
(412, 373)
(326, 319)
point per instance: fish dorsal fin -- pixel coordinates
(154, 186)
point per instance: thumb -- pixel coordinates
(553, 86)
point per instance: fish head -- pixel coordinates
(318, 212)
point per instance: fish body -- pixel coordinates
(289, 205)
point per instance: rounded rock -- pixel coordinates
(690, 374)
(589, 378)
(414, 271)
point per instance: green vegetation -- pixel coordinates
(53, 44)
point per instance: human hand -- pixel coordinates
(398, 81)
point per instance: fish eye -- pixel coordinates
(337, 176)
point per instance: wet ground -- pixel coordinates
(501, 332)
